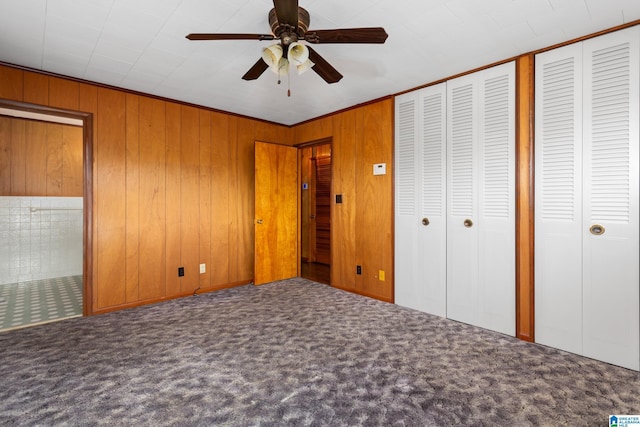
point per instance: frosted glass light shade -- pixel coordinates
(282, 68)
(305, 66)
(298, 53)
(271, 55)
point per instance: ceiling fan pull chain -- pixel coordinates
(289, 85)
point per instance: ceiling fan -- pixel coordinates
(289, 24)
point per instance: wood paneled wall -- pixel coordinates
(39, 158)
(362, 225)
(172, 187)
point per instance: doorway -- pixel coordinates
(46, 190)
(315, 212)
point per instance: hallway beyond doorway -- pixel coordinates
(316, 271)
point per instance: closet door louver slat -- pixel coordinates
(405, 183)
(497, 200)
(461, 150)
(433, 183)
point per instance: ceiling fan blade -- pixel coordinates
(347, 35)
(227, 36)
(287, 12)
(323, 68)
(256, 71)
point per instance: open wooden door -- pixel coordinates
(276, 210)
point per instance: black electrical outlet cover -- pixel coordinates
(358, 269)
(180, 271)
(338, 198)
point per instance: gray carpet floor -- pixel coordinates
(296, 353)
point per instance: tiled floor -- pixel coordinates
(40, 301)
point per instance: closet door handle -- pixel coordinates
(596, 229)
(425, 221)
(468, 223)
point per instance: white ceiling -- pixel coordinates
(140, 45)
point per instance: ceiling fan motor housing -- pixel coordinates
(288, 33)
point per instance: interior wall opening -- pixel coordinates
(42, 215)
(315, 212)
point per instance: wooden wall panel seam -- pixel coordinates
(132, 125)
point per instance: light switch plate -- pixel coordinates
(380, 169)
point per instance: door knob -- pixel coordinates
(425, 221)
(259, 221)
(596, 229)
(468, 223)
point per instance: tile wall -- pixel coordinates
(40, 238)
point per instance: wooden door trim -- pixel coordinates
(309, 144)
(525, 299)
(314, 143)
(87, 160)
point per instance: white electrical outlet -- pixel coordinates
(203, 268)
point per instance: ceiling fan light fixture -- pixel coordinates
(298, 53)
(290, 23)
(272, 55)
(282, 69)
(305, 66)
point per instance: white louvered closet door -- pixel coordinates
(496, 210)
(420, 255)
(587, 246)
(481, 199)
(408, 289)
(558, 199)
(462, 196)
(611, 298)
